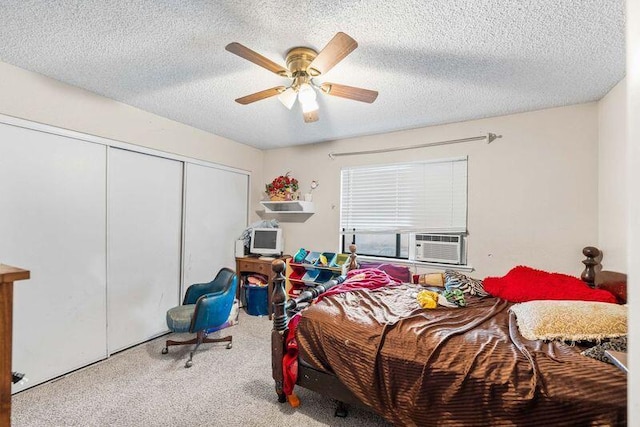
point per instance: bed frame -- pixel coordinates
(329, 385)
(308, 378)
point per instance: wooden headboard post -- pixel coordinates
(589, 273)
(353, 263)
(279, 332)
(280, 319)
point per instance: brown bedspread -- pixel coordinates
(455, 366)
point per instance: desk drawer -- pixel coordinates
(254, 267)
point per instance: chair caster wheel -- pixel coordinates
(229, 346)
(342, 410)
(188, 364)
(165, 350)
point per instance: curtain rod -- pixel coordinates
(490, 137)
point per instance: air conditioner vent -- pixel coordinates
(437, 238)
(440, 248)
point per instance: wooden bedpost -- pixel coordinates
(589, 273)
(279, 332)
(281, 305)
(353, 264)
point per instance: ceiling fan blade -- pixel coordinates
(311, 116)
(256, 58)
(338, 47)
(261, 95)
(349, 92)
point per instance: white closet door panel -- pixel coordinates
(52, 222)
(144, 235)
(215, 216)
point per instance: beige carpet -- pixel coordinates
(142, 387)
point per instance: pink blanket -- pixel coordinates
(367, 278)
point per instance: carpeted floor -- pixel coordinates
(142, 387)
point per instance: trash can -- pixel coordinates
(257, 300)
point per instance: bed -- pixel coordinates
(415, 367)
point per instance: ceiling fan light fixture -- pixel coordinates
(306, 94)
(309, 106)
(288, 97)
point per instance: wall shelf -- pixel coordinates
(289, 206)
(286, 211)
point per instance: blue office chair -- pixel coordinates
(205, 308)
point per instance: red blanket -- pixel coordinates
(526, 284)
(290, 358)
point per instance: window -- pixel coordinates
(383, 206)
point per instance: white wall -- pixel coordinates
(532, 194)
(32, 96)
(633, 165)
(612, 179)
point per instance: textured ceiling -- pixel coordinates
(432, 62)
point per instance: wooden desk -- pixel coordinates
(8, 275)
(248, 265)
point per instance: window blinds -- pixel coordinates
(408, 197)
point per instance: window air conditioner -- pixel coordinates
(440, 248)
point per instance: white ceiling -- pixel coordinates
(432, 62)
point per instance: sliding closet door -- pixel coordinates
(52, 222)
(215, 216)
(144, 240)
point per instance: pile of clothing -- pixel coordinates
(455, 284)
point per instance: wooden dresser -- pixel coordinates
(8, 275)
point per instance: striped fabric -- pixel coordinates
(456, 280)
(455, 366)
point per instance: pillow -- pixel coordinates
(455, 280)
(597, 351)
(400, 272)
(570, 320)
(527, 284)
(368, 264)
(429, 279)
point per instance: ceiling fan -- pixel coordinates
(303, 64)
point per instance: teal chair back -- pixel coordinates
(213, 300)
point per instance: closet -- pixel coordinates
(112, 233)
(54, 221)
(144, 241)
(213, 198)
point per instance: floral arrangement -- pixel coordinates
(283, 187)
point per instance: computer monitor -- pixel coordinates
(266, 241)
